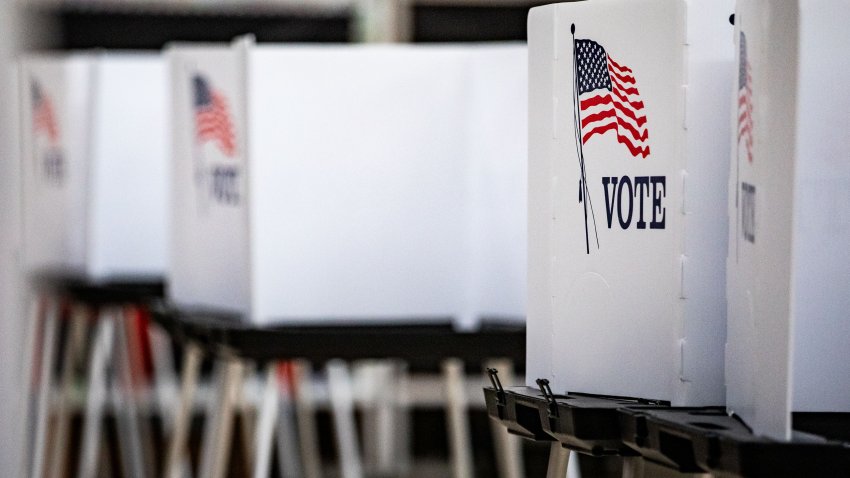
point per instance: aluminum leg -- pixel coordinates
(305, 413)
(633, 467)
(130, 428)
(74, 346)
(218, 435)
(559, 459)
(101, 356)
(29, 370)
(401, 453)
(183, 417)
(342, 408)
(287, 439)
(266, 420)
(45, 380)
(460, 443)
(508, 447)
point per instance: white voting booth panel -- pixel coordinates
(368, 183)
(627, 185)
(94, 164)
(789, 209)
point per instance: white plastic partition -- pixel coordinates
(627, 184)
(94, 164)
(790, 219)
(380, 183)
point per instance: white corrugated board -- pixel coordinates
(94, 132)
(626, 295)
(788, 265)
(349, 192)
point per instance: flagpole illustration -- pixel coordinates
(584, 191)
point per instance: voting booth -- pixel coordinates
(627, 187)
(94, 165)
(789, 212)
(339, 183)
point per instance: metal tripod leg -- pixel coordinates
(183, 418)
(266, 421)
(633, 467)
(74, 346)
(29, 371)
(508, 447)
(342, 408)
(559, 459)
(287, 438)
(45, 381)
(218, 435)
(305, 414)
(460, 444)
(101, 356)
(130, 444)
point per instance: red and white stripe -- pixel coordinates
(745, 114)
(212, 123)
(620, 110)
(44, 120)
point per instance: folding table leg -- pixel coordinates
(45, 381)
(508, 447)
(342, 408)
(183, 418)
(399, 393)
(368, 380)
(633, 467)
(101, 356)
(30, 374)
(74, 346)
(387, 429)
(287, 439)
(164, 377)
(247, 414)
(130, 443)
(559, 459)
(266, 420)
(166, 389)
(305, 413)
(385, 442)
(218, 435)
(573, 469)
(460, 444)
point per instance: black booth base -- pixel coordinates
(687, 439)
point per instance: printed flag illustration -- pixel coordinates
(609, 99)
(212, 117)
(44, 115)
(745, 99)
(605, 99)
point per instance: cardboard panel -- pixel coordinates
(618, 160)
(821, 260)
(210, 266)
(128, 180)
(758, 362)
(55, 97)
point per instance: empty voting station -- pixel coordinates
(425, 239)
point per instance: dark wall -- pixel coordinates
(84, 29)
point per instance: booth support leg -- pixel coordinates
(460, 444)
(559, 460)
(183, 418)
(218, 435)
(342, 408)
(266, 420)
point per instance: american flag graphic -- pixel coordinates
(608, 99)
(745, 99)
(43, 115)
(212, 117)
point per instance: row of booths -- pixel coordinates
(688, 205)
